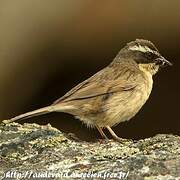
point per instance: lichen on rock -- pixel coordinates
(36, 148)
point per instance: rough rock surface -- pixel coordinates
(35, 151)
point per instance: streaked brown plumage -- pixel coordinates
(114, 94)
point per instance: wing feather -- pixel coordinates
(100, 84)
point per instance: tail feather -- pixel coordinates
(52, 108)
(30, 114)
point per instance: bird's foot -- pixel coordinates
(104, 141)
(121, 140)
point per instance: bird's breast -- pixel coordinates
(123, 106)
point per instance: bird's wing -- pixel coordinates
(77, 88)
(71, 92)
(98, 89)
(100, 84)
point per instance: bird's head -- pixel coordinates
(145, 54)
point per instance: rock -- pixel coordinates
(35, 151)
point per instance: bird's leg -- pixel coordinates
(101, 132)
(114, 135)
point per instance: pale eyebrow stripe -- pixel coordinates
(141, 48)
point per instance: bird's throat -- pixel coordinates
(151, 68)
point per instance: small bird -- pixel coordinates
(114, 94)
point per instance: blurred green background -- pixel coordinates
(47, 47)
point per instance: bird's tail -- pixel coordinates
(37, 112)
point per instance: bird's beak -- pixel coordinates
(163, 62)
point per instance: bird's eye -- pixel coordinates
(148, 55)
